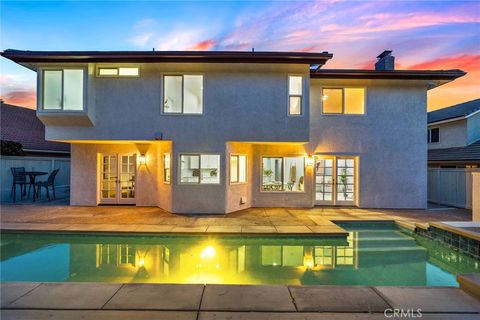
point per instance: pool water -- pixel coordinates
(373, 254)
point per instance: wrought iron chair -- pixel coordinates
(47, 184)
(19, 178)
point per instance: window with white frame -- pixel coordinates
(63, 89)
(343, 100)
(295, 95)
(238, 168)
(118, 72)
(283, 174)
(183, 94)
(200, 169)
(166, 168)
(433, 135)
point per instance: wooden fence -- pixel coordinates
(451, 187)
(47, 164)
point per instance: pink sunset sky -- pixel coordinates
(422, 35)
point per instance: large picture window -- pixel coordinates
(63, 89)
(238, 168)
(343, 100)
(200, 169)
(294, 95)
(283, 174)
(183, 94)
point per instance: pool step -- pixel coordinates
(391, 243)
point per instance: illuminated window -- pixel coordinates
(200, 169)
(283, 174)
(433, 135)
(166, 168)
(183, 94)
(63, 89)
(238, 168)
(345, 254)
(118, 72)
(295, 95)
(323, 255)
(343, 100)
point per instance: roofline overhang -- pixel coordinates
(33, 57)
(388, 74)
(434, 123)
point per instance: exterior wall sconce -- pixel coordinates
(310, 160)
(142, 159)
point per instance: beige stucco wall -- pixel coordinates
(452, 134)
(389, 140)
(235, 191)
(86, 170)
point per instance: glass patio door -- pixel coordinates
(117, 185)
(335, 181)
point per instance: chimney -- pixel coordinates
(385, 61)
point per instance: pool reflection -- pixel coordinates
(364, 258)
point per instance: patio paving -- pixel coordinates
(294, 221)
(158, 301)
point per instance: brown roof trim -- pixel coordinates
(21, 56)
(388, 74)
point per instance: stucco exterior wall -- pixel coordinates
(389, 140)
(235, 191)
(86, 170)
(452, 134)
(473, 128)
(241, 102)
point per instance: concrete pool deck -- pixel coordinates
(271, 221)
(27, 300)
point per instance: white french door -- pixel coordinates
(335, 180)
(117, 180)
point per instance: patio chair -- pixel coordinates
(47, 184)
(19, 178)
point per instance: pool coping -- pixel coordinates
(20, 297)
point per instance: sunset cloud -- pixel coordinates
(203, 45)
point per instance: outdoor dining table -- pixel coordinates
(33, 175)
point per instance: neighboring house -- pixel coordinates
(215, 132)
(21, 125)
(454, 136)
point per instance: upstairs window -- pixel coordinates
(433, 135)
(183, 94)
(118, 72)
(294, 95)
(63, 89)
(343, 100)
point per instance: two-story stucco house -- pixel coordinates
(454, 136)
(216, 132)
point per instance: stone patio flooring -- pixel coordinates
(295, 221)
(26, 300)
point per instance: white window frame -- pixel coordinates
(238, 155)
(118, 72)
(343, 101)
(283, 173)
(295, 95)
(182, 113)
(165, 181)
(42, 87)
(199, 183)
(429, 135)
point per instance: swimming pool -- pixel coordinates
(373, 254)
